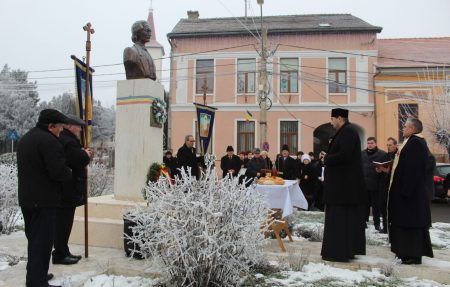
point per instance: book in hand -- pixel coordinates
(383, 164)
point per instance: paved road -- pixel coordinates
(440, 212)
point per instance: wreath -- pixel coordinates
(159, 111)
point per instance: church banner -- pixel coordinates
(80, 90)
(205, 123)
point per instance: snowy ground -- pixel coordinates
(300, 271)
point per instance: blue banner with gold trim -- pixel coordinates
(80, 90)
(205, 123)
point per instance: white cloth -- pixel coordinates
(284, 196)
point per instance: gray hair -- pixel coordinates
(418, 126)
(137, 26)
(186, 138)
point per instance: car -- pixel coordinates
(441, 172)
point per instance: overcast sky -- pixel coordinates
(42, 34)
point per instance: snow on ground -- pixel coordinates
(87, 279)
(309, 224)
(4, 265)
(319, 274)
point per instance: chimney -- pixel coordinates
(193, 15)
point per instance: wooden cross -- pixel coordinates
(89, 31)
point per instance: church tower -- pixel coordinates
(155, 49)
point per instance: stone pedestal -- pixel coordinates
(137, 146)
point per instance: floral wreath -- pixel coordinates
(159, 111)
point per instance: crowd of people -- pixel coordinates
(346, 182)
(349, 184)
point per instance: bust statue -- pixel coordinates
(136, 59)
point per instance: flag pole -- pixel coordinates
(87, 132)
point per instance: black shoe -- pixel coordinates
(64, 261)
(334, 259)
(54, 285)
(410, 261)
(49, 276)
(77, 257)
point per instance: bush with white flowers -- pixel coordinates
(207, 232)
(9, 203)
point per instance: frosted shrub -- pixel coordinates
(206, 232)
(9, 203)
(100, 179)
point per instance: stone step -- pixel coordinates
(107, 207)
(103, 232)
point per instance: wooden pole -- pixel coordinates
(87, 107)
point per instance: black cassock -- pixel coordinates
(227, 163)
(409, 208)
(345, 197)
(288, 167)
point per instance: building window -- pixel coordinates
(246, 75)
(337, 75)
(289, 135)
(245, 136)
(204, 71)
(198, 143)
(406, 111)
(289, 75)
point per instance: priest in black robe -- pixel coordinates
(409, 213)
(345, 196)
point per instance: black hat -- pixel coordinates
(51, 116)
(285, 147)
(229, 148)
(339, 113)
(257, 150)
(74, 120)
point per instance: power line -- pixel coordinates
(366, 55)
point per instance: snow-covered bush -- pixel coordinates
(294, 260)
(9, 203)
(207, 232)
(100, 179)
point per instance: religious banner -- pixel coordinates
(205, 123)
(80, 91)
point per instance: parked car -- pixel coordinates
(440, 184)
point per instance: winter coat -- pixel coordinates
(254, 166)
(372, 178)
(171, 164)
(429, 175)
(41, 168)
(77, 160)
(344, 179)
(226, 164)
(288, 167)
(187, 157)
(409, 206)
(308, 180)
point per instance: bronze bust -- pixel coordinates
(136, 59)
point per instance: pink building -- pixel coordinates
(315, 65)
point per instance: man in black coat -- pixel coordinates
(230, 163)
(41, 172)
(373, 179)
(255, 165)
(345, 196)
(409, 208)
(77, 158)
(392, 150)
(287, 165)
(187, 156)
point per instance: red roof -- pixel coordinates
(422, 52)
(153, 42)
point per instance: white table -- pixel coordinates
(284, 196)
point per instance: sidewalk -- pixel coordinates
(113, 261)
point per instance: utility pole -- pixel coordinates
(263, 87)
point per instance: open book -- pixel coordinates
(383, 164)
